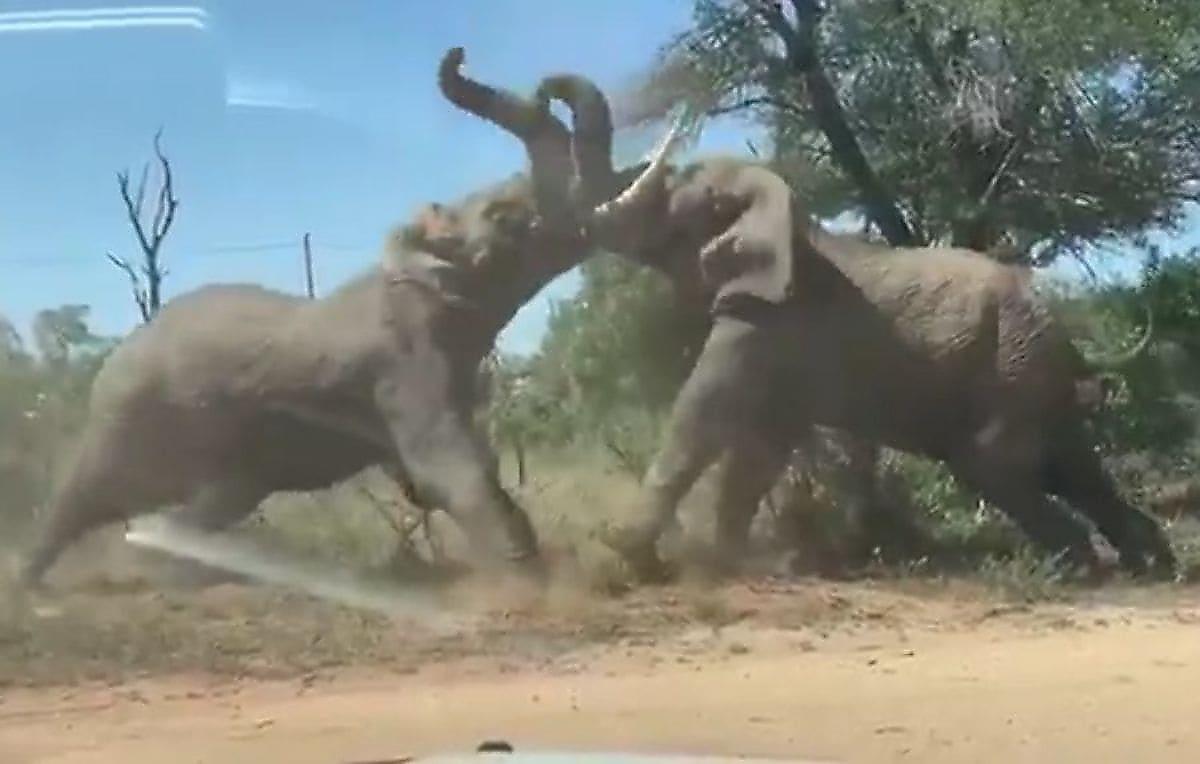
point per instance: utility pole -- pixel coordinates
(308, 267)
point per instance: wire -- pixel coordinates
(224, 249)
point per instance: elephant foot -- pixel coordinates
(1146, 553)
(728, 564)
(640, 553)
(518, 586)
(1084, 561)
(529, 574)
(32, 575)
(1087, 575)
(533, 569)
(1159, 567)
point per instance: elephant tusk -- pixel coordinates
(653, 174)
(1117, 361)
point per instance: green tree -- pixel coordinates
(1155, 400)
(57, 331)
(1034, 130)
(622, 340)
(1044, 126)
(43, 402)
(616, 353)
(11, 346)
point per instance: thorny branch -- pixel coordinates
(139, 293)
(751, 103)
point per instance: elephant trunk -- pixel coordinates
(546, 139)
(591, 133)
(591, 148)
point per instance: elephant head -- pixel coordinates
(742, 218)
(496, 248)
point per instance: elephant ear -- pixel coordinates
(753, 256)
(435, 229)
(430, 250)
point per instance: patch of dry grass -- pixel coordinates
(107, 632)
(133, 620)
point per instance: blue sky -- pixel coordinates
(280, 117)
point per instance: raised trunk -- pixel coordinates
(592, 131)
(546, 140)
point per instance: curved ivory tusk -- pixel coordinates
(653, 173)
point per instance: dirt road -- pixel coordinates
(1104, 686)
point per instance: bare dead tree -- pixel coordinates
(146, 277)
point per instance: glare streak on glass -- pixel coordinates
(103, 18)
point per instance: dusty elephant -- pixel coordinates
(233, 392)
(936, 351)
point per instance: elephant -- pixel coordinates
(938, 351)
(233, 392)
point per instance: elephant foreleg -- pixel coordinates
(720, 404)
(752, 467)
(449, 465)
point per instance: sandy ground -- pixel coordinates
(907, 680)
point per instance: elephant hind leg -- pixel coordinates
(679, 463)
(1076, 475)
(104, 485)
(214, 507)
(218, 505)
(1005, 465)
(1045, 523)
(751, 467)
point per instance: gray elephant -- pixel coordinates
(935, 351)
(233, 392)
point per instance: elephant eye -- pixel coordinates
(505, 213)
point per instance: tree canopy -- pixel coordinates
(43, 400)
(1046, 127)
(1032, 130)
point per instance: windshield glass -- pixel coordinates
(710, 377)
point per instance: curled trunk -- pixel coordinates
(546, 139)
(591, 148)
(592, 133)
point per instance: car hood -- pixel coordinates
(573, 757)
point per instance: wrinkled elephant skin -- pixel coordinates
(233, 392)
(941, 352)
